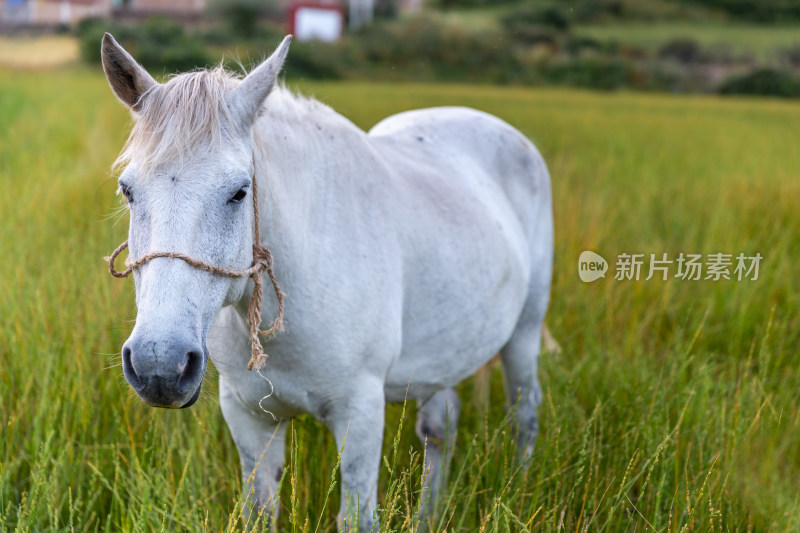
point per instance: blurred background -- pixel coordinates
(673, 404)
(725, 46)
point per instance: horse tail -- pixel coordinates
(549, 343)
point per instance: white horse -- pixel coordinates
(409, 255)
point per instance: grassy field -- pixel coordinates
(38, 53)
(673, 406)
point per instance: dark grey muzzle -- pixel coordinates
(165, 372)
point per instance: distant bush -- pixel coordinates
(658, 76)
(682, 50)
(769, 11)
(425, 44)
(165, 45)
(792, 55)
(386, 9)
(315, 61)
(269, 34)
(159, 43)
(448, 4)
(532, 15)
(90, 33)
(595, 10)
(763, 82)
(578, 44)
(219, 36)
(242, 16)
(724, 54)
(592, 72)
(534, 35)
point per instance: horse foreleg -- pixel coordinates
(357, 425)
(437, 420)
(260, 442)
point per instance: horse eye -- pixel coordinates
(239, 196)
(126, 191)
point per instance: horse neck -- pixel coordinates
(304, 169)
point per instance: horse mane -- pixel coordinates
(188, 111)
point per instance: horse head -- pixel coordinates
(187, 175)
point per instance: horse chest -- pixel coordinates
(270, 392)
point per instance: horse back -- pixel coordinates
(463, 147)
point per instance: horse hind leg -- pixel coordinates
(520, 369)
(437, 420)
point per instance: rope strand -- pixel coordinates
(262, 261)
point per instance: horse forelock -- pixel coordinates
(176, 118)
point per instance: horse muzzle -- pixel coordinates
(165, 372)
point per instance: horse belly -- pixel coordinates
(463, 304)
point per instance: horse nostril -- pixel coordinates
(128, 370)
(192, 371)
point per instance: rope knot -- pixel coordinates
(262, 258)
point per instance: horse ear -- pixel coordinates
(127, 78)
(247, 97)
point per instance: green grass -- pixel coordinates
(763, 43)
(672, 406)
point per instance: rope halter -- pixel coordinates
(262, 262)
